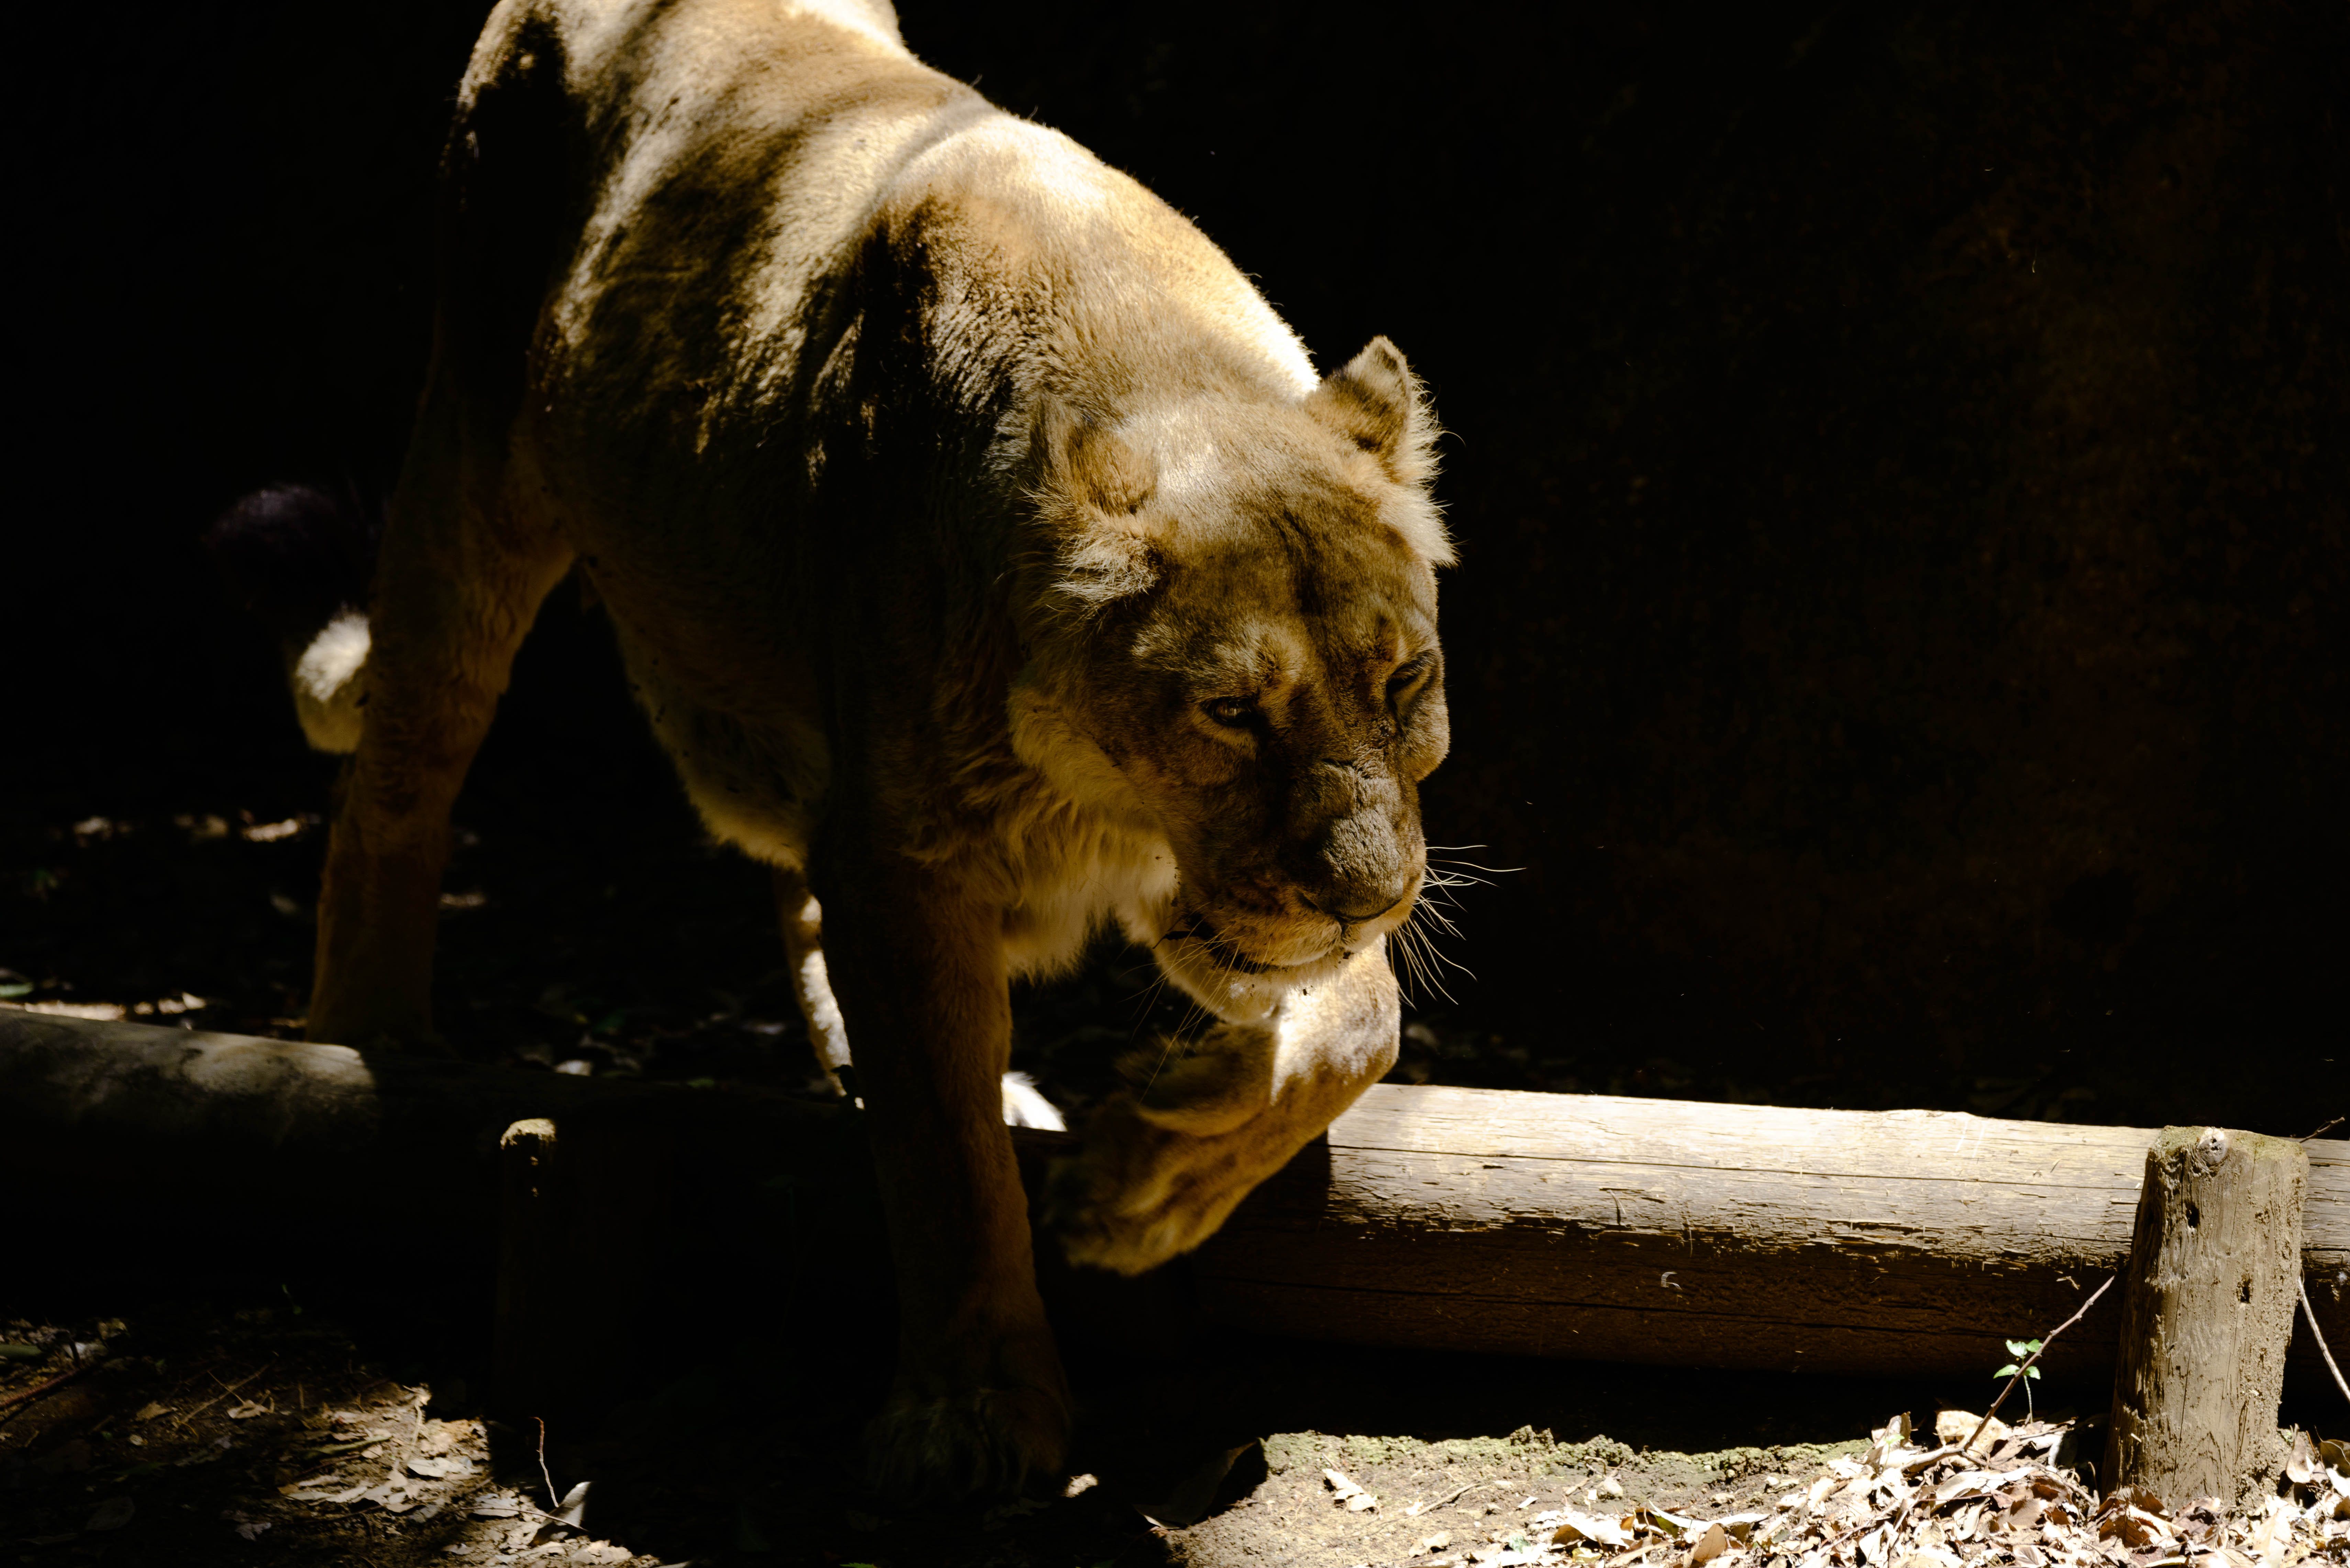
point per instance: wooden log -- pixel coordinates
(1892, 1243)
(2207, 1308)
(253, 1121)
(1577, 1226)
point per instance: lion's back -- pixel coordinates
(695, 178)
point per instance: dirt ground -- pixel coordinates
(194, 1432)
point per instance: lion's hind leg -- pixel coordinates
(803, 922)
(457, 585)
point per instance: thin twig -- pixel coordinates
(226, 1390)
(2322, 1348)
(552, 1500)
(525, 1503)
(1456, 1497)
(66, 1375)
(2306, 1137)
(2022, 1372)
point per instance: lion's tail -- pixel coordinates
(300, 559)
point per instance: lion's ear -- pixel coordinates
(1091, 488)
(1375, 401)
(1086, 465)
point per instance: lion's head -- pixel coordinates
(1231, 623)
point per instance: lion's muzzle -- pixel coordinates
(1354, 855)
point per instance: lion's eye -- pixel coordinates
(1408, 676)
(1233, 712)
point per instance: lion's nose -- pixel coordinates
(1357, 858)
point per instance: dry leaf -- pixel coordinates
(2301, 1466)
(1573, 1527)
(1955, 1426)
(2132, 1527)
(1716, 1540)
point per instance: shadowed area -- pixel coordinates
(1894, 659)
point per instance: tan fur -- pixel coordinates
(989, 559)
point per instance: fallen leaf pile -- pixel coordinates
(409, 1466)
(1922, 1503)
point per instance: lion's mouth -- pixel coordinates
(1227, 952)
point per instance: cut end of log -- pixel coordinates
(530, 1130)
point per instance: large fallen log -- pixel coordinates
(1578, 1226)
(1713, 1235)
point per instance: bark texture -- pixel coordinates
(1669, 1232)
(2207, 1312)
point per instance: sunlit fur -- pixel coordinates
(991, 561)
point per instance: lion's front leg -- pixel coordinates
(1163, 1166)
(980, 1404)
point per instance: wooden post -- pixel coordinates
(2210, 1288)
(523, 1377)
(580, 1238)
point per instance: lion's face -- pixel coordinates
(1260, 664)
(1277, 711)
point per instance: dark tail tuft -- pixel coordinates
(296, 556)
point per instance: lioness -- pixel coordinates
(992, 564)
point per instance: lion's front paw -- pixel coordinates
(1137, 1195)
(981, 1442)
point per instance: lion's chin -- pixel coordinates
(1230, 952)
(1235, 982)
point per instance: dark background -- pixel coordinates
(1899, 462)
